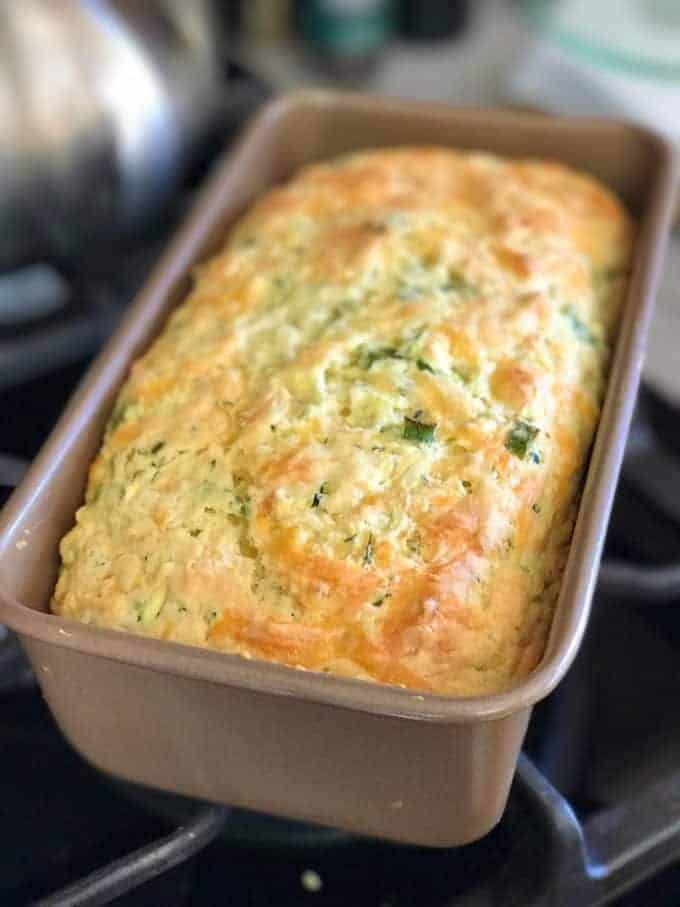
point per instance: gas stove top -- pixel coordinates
(594, 815)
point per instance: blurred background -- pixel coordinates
(111, 114)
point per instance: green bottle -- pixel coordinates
(346, 36)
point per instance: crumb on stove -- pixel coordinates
(311, 881)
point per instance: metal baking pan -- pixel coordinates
(372, 758)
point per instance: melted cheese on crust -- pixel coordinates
(358, 444)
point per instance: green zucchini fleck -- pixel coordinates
(420, 432)
(520, 437)
(379, 601)
(323, 489)
(366, 358)
(602, 277)
(459, 373)
(578, 326)
(118, 416)
(457, 283)
(368, 551)
(424, 366)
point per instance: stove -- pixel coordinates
(594, 813)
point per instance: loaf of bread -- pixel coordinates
(357, 446)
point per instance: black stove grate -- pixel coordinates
(129, 872)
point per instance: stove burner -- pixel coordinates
(243, 827)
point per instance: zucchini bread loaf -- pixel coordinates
(357, 446)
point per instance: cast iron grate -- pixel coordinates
(586, 863)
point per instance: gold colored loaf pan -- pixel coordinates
(377, 759)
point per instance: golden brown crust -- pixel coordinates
(357, 446)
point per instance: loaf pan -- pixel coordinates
(371, 758)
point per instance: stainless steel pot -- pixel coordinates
(100, 101)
